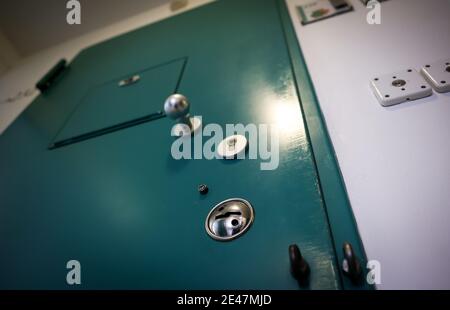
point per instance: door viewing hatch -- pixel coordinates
(126, 101)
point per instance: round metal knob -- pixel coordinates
(177, 106)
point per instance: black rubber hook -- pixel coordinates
(351, 264)
(299, 266)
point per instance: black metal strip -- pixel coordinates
(107, 130)
(180, 77)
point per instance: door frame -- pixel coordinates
(341, 220)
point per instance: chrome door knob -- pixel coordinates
(177, 107)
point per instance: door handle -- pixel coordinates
(129, 81)
(177, 107)
(299, 266)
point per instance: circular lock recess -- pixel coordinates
(229, 219)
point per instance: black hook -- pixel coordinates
(351, 265)
(299, 266)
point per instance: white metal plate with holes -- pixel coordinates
(438, 75)
(398, 87)
(232, 147)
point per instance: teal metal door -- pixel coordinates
(122, 206)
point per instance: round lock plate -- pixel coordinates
(229, 219)
(232, 146)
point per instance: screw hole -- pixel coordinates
(403, 89)
(394, 77)
(375, 79)
(399, 83)
(407, 99)
(428, 66)
(423, 86)
(235, 222)
(443, 82)
(232, 142)
(410, 70)
(387, 96)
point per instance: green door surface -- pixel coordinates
(118, 203)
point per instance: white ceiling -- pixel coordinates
(35, 25)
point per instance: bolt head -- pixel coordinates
(176, 106)
(203, 189)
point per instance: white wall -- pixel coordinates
(29, 70)
(8, 55)
(3, 68)
(32, 26)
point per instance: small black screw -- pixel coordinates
(203, 189)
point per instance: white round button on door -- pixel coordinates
(232, 146)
